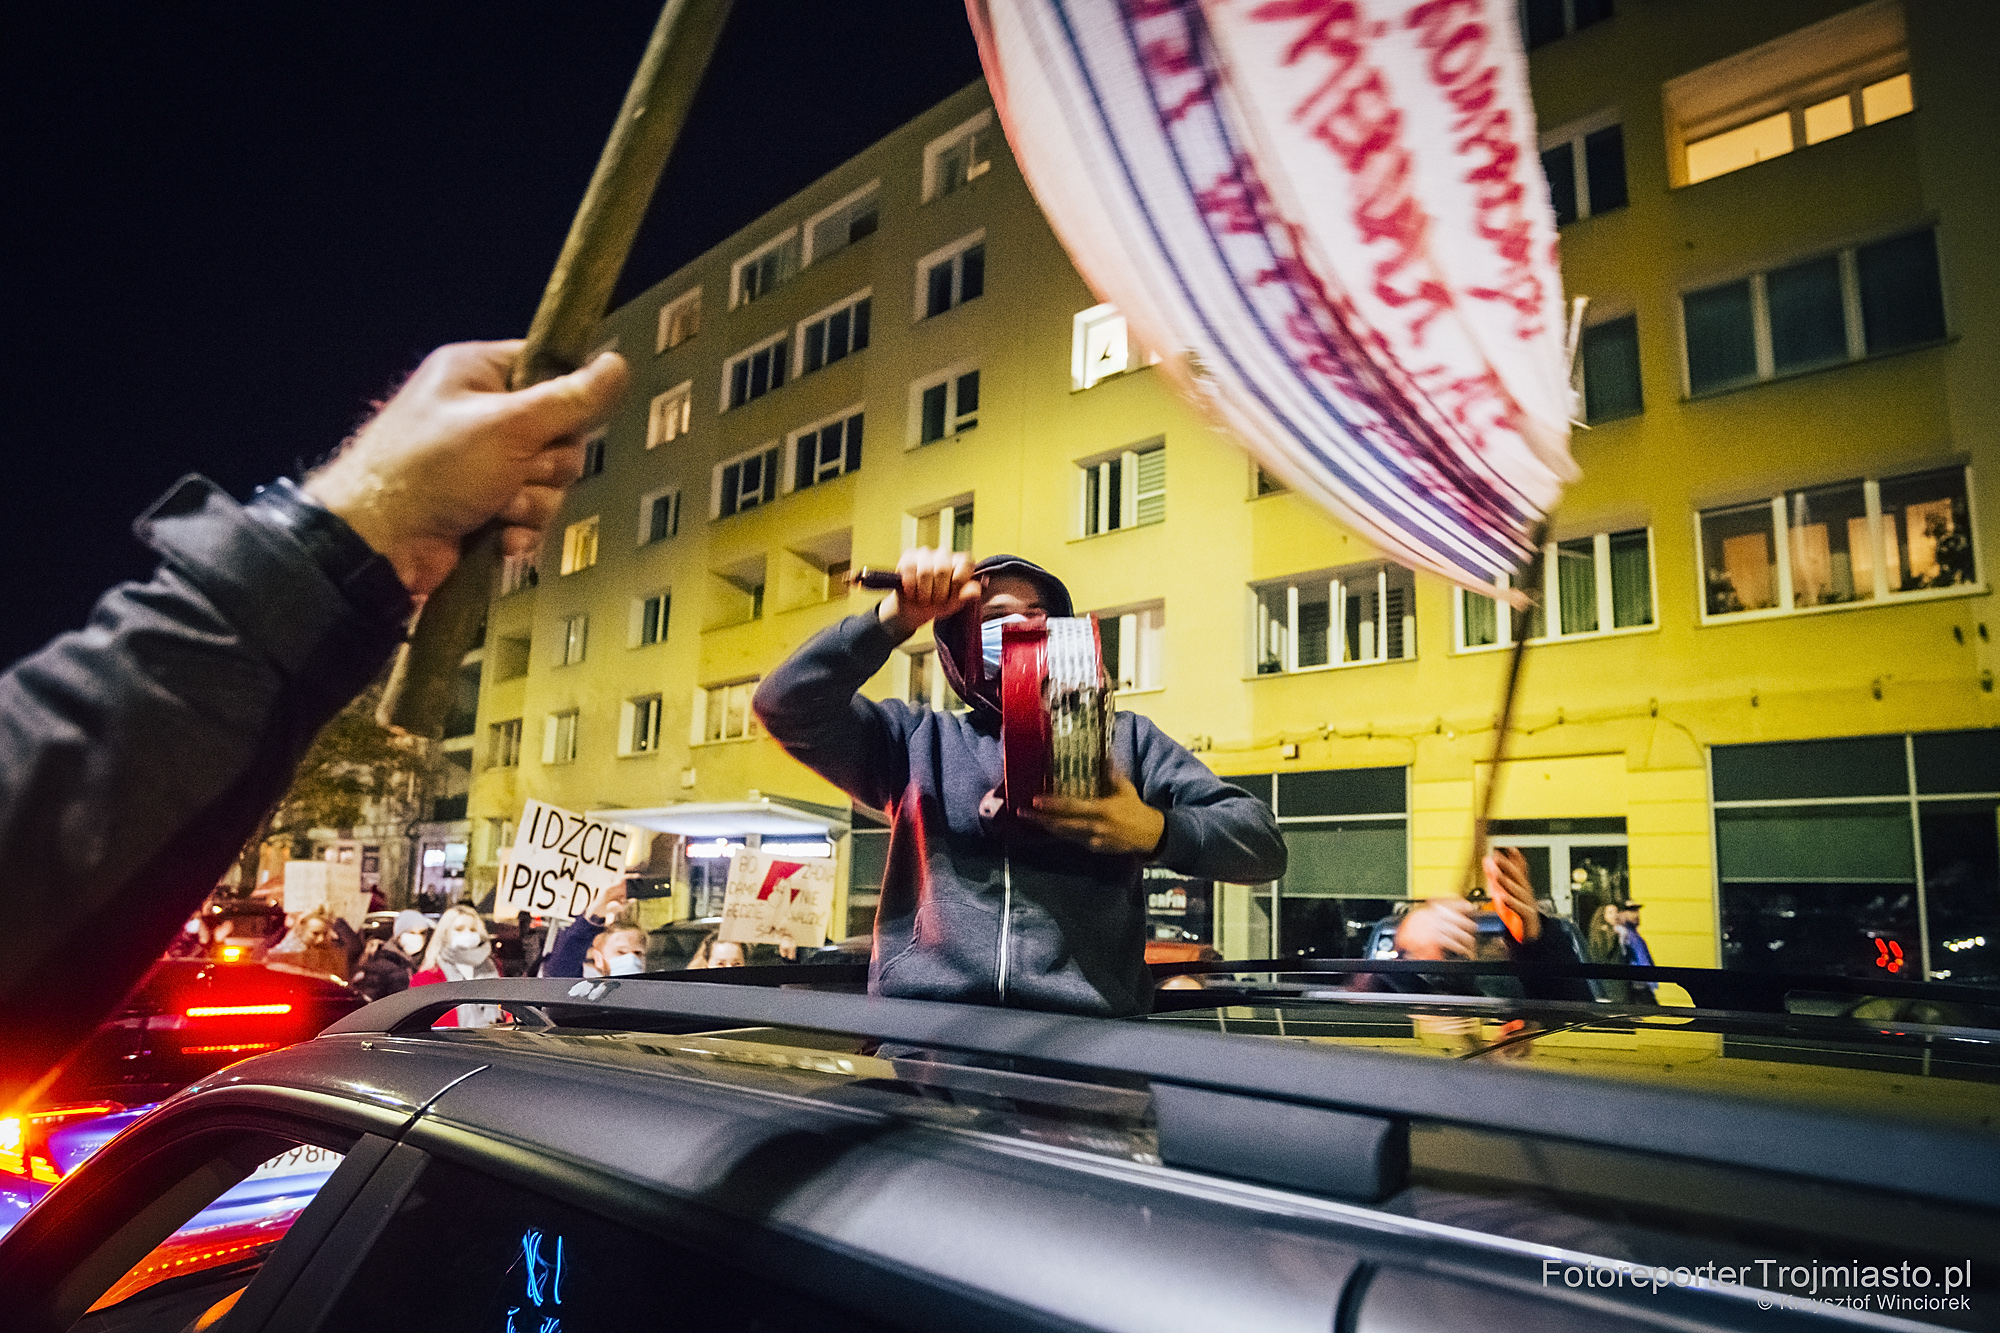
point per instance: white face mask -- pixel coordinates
(626, 964)
(410, 942)
(465, 939)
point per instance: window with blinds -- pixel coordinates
(1126, 489)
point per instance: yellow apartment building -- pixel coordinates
(1759, 700)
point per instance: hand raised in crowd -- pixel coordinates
(1120, 822)
(607, 902)
(935, 583)
(1513, 896)
(1449, 927)
(455, 448)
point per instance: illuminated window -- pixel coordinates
(764, 269)
(1126, 489)
(826, 450)
(670, 414)
(1333, 617)
(744, 482)
(959, 156)
(948, 278)
(1816, 84)
(944, 405)
(1596, 584)
(580, 545)
(1865, 301)
(1099, 347)
(840, 225)
(680, 320)
(832, 334)
(1856, 541)
(1585, 167)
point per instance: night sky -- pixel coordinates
(233, 230)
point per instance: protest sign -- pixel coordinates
(772, 901)
(313, 886)
(560, 860)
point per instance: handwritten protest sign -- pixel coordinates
(769, 900)
(312, 886)
(560, 860)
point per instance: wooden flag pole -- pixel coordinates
(1517, 620)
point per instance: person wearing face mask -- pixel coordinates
(979, 906)
(569, 954)
(389, 964)
(617, 952)
(460, 950)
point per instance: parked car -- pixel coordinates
(1273, 1153)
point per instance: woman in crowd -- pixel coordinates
(389, 964)
(461, 949)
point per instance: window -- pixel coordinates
(831, 335)
(928, 687)
(946, 527)
(723, 713)
(1844, 856)
(827, 450)
(559, 738)
(1545, 21)
(1334, 617)
(752, 374)
(659, 515)
(639, 725)
(1866, 301)
(510, 656)
(680, 320)
(1134, 641)
(503, 744)
(1122, 490)
(593, 457)
(945, 405)
(1585, 166)
(746, 481)
(1099, 347)
(649, 618)
(833, 229)
(952, 276)
(580, 545)
(1609, 364)
(517, 572)
(764, 270)
(1818, 83)
(572, 641)
(1857, 541)
(959, 156)
(1597, 584)
(670, 414)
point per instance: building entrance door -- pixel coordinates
(1577, 866)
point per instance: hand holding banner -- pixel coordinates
(560, 860)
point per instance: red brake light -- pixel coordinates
(236, 1010)
(22, 1135)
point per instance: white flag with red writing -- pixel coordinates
(1329, 218)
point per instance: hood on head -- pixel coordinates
(408, 920)
(957, 634)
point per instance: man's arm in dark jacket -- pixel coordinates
(572, 945)
(1214, 830)
(137, 754)
(810, 707)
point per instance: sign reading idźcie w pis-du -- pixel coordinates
(560, 859)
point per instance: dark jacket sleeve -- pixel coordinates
(810, 707)
(1214, 830)
(137, 754)
(565, 957)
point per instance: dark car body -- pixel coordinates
(1275, 1153)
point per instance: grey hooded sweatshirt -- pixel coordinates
(977, 906)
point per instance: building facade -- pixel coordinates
(1759, 699)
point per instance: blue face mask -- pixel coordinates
(989, 642)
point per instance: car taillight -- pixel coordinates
(231, 952)
(236, 1010)
(24, 1138)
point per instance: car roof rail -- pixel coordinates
(1261, 1083)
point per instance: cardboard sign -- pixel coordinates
(770, 900)
(560, 860)
(312, 886)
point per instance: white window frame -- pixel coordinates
(789, 458)
(1781, 572)
(645, 533)
(1142, 651)
(956, 422)
(809, 254)
(573, 640)
(789, 236)
(639, 725)
(946, 515)
(698, 727)
(1854, 326)
(670, 319)
(948, 253)
(580, 543)
(729, 368)
(1573, 135)
(944, 143)
(635, 628)
(671, 415)
(503, 743)
(1091, 525)
(799, 331)
(1334, 577)
(559, 736)
(715, 479)
(518, 572)
(1503, 621)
